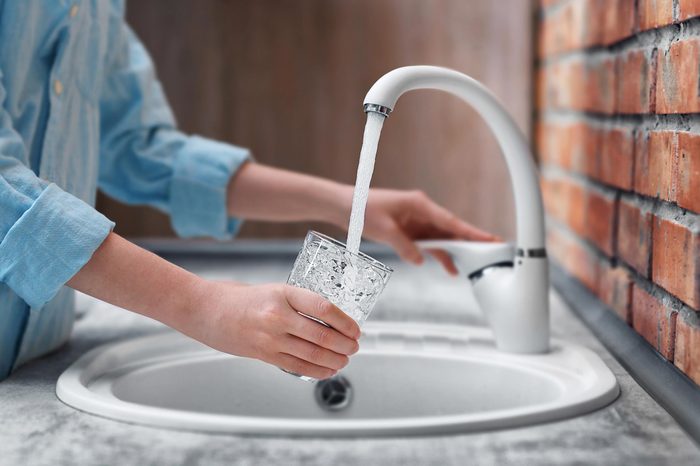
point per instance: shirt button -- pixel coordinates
(58, 87)
(73, 11)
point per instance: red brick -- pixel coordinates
(677, 78)
(688, 172)
(688, 9)
(656, 165)
(652, 320)
(599, 220)
(562, 85)
(554, 198)
(543, 98)
(635, 91)
(687, 348)
(567, 85)
(576, 23)
(575, 258)
(576, 208)
(616, 158)
(587, 213)
(546, 89)
(545, 143)
(553, 144)
(584, 266)
(560, 30)
(565, 200)
(584, 143)
(618, 18)
(634, 236)
(546, 37)
(668, 167)
(594, 28)
(556, 245)
(655, 13)
(676, 260)
(615, 290)
(600, 88)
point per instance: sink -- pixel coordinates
(407, 378)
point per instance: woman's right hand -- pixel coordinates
(263, 322)
(260, 321)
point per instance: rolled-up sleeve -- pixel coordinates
(46, 234)
(145, 160)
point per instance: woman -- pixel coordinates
(82, 109)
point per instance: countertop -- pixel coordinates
(38, 429)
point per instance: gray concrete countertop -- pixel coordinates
(37, 428)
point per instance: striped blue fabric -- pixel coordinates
(81, 108)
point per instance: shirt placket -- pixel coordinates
(59, 79)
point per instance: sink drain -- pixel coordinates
(334, 394)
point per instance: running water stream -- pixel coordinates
(370, 140)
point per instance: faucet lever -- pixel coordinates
(470, 257)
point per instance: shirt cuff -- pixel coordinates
(201, 175)
(50, 243)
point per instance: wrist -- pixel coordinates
(338, 205)
(189, 301)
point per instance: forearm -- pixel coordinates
(130, 277)
(258, 192)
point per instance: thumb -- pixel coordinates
(406, 248)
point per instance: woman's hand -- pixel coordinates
(398, 218)
(260, 321)
(263, 322)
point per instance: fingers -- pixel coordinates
(444, 259)
(314, 354)
(406, 248)
(446, 220)
(299, 366)
(310, 303)
(473, 233)
(321, 335)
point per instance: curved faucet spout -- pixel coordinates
(514, 298)
(523, 173)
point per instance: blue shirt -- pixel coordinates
(81, 108)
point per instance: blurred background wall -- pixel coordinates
(286, 78)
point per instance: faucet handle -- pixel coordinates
(472, 256)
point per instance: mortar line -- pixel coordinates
(661, 37)
(661, 208)
(543, 12)
(647, 284)
(688, 122)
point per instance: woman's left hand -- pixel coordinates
(398, 218)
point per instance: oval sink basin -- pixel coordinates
(408, 378)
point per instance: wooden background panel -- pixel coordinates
(286, 78)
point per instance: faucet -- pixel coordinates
(510, 282)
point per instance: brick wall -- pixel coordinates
(618, 137)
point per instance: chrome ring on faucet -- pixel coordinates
(539, 252)
(375, 108)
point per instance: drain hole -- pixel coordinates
(333, 394)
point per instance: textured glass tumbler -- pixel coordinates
(351, 281)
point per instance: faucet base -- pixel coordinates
(515, 301)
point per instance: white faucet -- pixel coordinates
(510, 283)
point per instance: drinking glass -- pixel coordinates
(352, 281)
